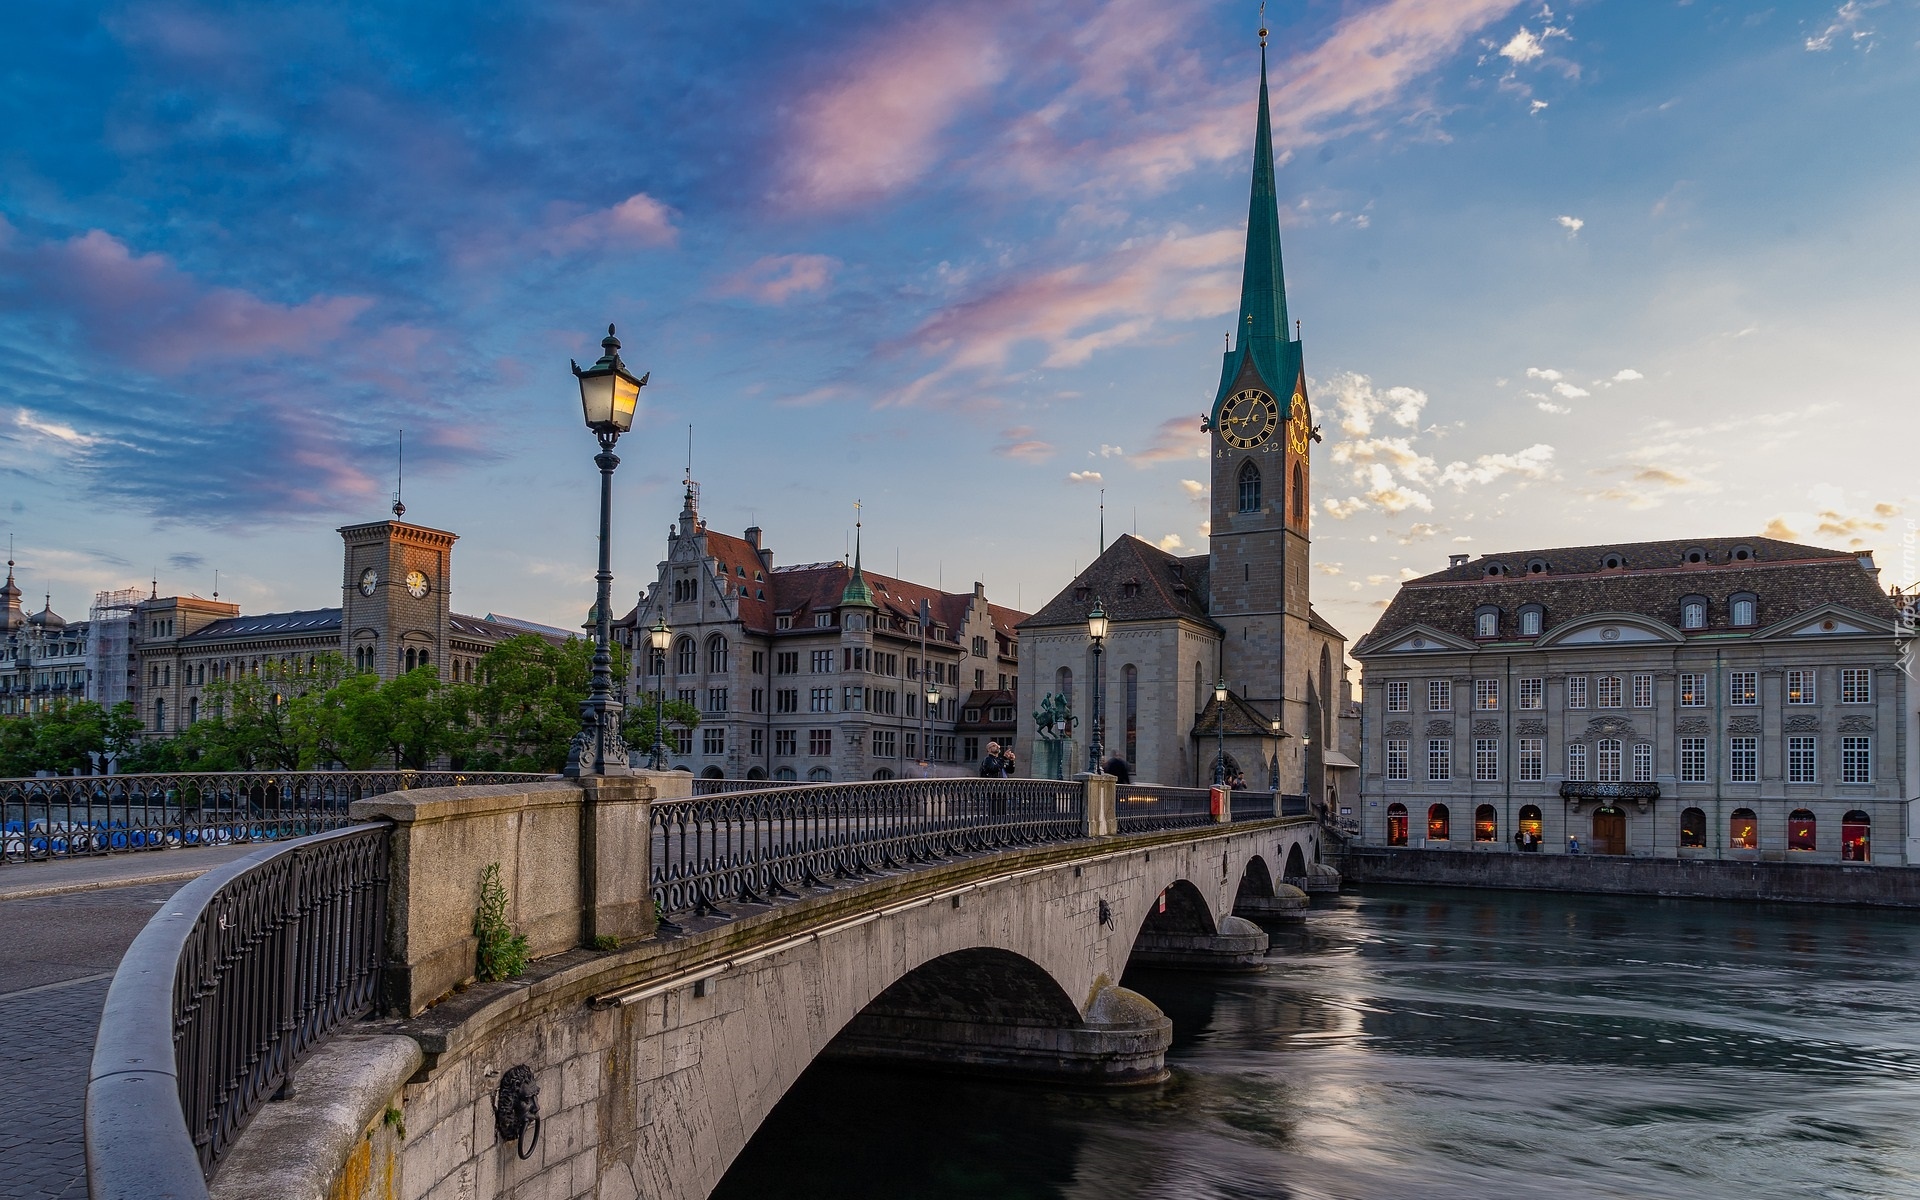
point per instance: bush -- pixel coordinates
(502, 953)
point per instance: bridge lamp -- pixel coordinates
(1097, 631)
(1220, 732)
(1273, 776)
(659, 640)
(609, 394)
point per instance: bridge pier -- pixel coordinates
(1238, 945)
(1288, 903)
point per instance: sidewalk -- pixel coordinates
(28, 880)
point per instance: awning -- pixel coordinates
(1333, 758)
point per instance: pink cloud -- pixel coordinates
(1020, 443)
(144, 306)
(775, 278)
(875, 129)
(638, 220)
(1175, 438)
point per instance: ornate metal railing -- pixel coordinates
(1293, 805)
(77, 815)
(1610, 791)
(1143, 807)
(759, 846)
(230, 983)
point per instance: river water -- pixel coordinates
(1433, 1044)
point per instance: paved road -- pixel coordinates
(56, 956)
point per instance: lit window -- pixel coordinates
(1486, 824)
(1532, 693)
(1801, 687)
(1693, 829)
(1800, 830)
(1856, 685)
(1486, 694)
(1693, 690)
(1743, 830)
(1396, 824)
(1439, 823)
(1743, 687)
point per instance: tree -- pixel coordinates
(523, 713)
(640, 722)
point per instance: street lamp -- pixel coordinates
(1220, 732)
(933, 702)
(1273, 779)
(659, 640)
(1097, 630)
(608, 396)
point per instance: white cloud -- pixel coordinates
(1407, 573)
(1546, 373)
(1396, 452)
(1572, 225)
(1084, 477)
(1196, 490)
(1532, 463)
(1340, 510)
(1360, 405)
(1377, 580)
(27, 420)
(1522, 47)
(1327, 568)
(1547, 406)
(1626, 375)
(1172, 542)
(1846, 23)
(1391, 496)
(1536, 107)
(1419, 531)
(1568, 391)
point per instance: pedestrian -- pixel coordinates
(1573, 845)
(993, 766)
(1118, 768)
(1520, 839)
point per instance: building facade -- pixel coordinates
(1716, 698)
(812, 673)
(1240, 614)
(43, 659)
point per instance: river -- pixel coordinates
(1436, 1044)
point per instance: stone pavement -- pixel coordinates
(57, 954)
(26, 880)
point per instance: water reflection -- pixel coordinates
(1437, 1045)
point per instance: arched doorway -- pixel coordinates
(1396, 824)
(1529, 826)
(1439, 823)
(1856, 837)
(1609, 831)
(1486, 824)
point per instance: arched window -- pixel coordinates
(1130, 674)
(1249, 487)
(1693, 829)
(1396, 824)
(1439, 824)
(1063, 685)
(1607, 760)
(656, 661)
(1800, 829)
(686, 657)
(1693, 615)
(1743, 609)
(784, 775)
(820, 775)
(159, 714)
(713, 773)
(1856, 837)
(412, 659)
(1299, 493)
(1530, 622)
(883, 773)
(1529, 824)
(423, 658)
(716, 654)
(1486, 824)
(1743, 830)
(1486, 623)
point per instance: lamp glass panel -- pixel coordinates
(1220, 692)
(1097, 625)
(596, 398)
(626, 398)
(660, 637)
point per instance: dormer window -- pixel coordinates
(1083, 593)
(1495, 569)
(1486, 622)
(823, 620)
(1693, 613)
(1531, 619)
(1130, 588)
(1537, 566)
(1612, 562)
(1743, 554)
(1744, 609)
(1695, 556)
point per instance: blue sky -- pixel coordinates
(1596, 272)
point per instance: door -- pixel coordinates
(1609, 831)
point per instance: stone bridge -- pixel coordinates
(658, 1057)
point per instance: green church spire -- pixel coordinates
(857, 592)
(1260, 332)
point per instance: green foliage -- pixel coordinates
(642, 721)
(502, 953)
(606, 941)
(395, 1120)
(523, 713)
(68, 736)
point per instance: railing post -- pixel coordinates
(1102, 819)
(616, 841)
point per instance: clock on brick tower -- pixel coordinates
(396, 597)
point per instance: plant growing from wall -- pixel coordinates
(502, 953)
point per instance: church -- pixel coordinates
(1215, 663)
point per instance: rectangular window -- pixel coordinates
(1576, 691)
(716, 700)
(1609, 691)
(713, 739)
(1856, 685)
(823, 620)
(1486, 759)
(1693, 760)
(1801, 688)
(786, 700)
(758, 700)
(1693, 690)
(1607, 761)
(783, 622)
(1397, 695)
(883, 743)
(853, 700)
(756, 742)
(823, 662)
(787, 662)
(759, 662)
(970, 748)
(682, 741)
(1803, 762)
(912, 744)
(1439, 759)
(1856, 760)
(1439, 695)
(1743, 687)
(1533, 693)
(783, 740)
(820, 700)
(1396, 758)
(1643, 691)
(1533, 759)
(819, 743)
(1743, 760)
(687, 696)
(1643, 762)
(1486, 694)
(1577, 762)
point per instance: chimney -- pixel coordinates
(1866, 564)
(753, 537)
(1457, 560)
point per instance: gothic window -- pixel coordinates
(1063, 684)
(1249, 488)
(1131, 674)
(1299, 493)
(686, 658)
(716, 654)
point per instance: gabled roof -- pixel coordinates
(1133, 580)
(1243, 719)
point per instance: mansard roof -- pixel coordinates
(312, 620)
(1133, 580)
(1651, 579)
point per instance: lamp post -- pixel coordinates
(1273, 778)
(926, 737)
(1220, 732)
(659, 640)
(1097, 630)
(608, 396)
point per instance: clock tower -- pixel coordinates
(396, 597)
(1262, 431)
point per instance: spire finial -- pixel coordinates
(399, 478)
(1263, 24)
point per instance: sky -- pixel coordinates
(1571, 274)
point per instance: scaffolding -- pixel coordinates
(110, 640)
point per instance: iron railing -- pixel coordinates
(79, 815)
(1294, 806)
(758, 846)
(239, 974)
(1144, 807)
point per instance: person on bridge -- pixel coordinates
(994, 765)
(1118, 768)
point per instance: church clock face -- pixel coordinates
(369, 579)
(1300, 428)
(1248, 418)
(416, 584)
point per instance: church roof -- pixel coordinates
(1652, 579)
(1243, 719)
(1135, 581)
